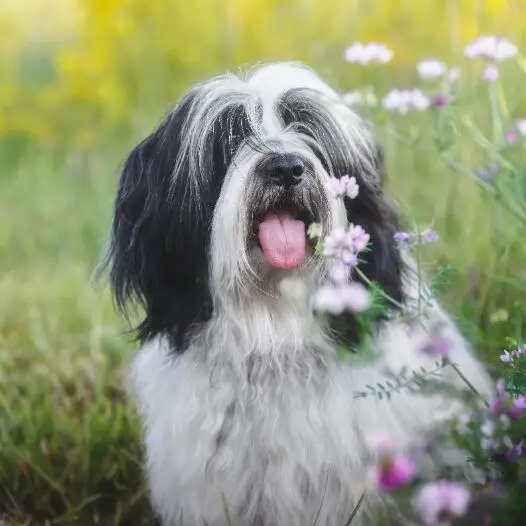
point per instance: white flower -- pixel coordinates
(431, 69)
(453, 75)
(492, 48)
(405, 100)
(353, 98)
(521, 127)
(366, 54)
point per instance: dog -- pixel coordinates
(250, 415)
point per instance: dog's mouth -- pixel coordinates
(281, 232)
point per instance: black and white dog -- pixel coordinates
(242, 394)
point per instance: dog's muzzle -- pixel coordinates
(286, 211)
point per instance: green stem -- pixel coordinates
(382, 293)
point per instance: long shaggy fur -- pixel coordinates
(240, 387)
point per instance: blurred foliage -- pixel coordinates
(72, 71)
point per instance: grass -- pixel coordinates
(69, 452)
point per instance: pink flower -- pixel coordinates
(393, 471)
(366, 54)
(335, 299)
(396, 473)
(511, 137)
(490, 47)
(344, 186)
(430, 236)
(403, 101)
(437, 346)
(491, 74)
(440, 501)
(431, 69)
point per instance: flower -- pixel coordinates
(440, 100)
(439, 501)
(486, 175)
(510, 357)
(511, 137)
(431, 69)
(437, 346)
(353, 98)
(491, 74)
(405, 100)
(517, 408)
(430, 236)
(366, 54)
(491, 47)
(402, 237)
(346, 245)
(339, 273)
(393, 471)
(521, 127)
(504, 404)
(453, 75)
(335, 299)
(344, 186)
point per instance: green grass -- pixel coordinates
(69, 452)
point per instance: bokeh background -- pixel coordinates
(81, 81)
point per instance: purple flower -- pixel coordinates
(402, 237)
(437, 502)
(403, 101)
(504, 404)
(486, 175)
(344, 186)
(491, 74)
(521, 127)
(358, 237)
(346, 245)
(430, 236)
(366, 54)
(490, 47)
(437, 346)
(335, 299)
(440, 100)
(518, 406)
(339, 273)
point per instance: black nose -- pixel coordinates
(284, 169)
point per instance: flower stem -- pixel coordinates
(382, 293)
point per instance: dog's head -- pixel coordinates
(217, 201)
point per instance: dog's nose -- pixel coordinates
(284, 169)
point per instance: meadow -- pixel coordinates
(76, 95)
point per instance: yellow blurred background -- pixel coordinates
(73, 70)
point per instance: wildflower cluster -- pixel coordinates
(343, 247)
(492, 50)
(433, 502)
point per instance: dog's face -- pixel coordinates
(216, 203)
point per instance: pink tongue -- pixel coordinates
(282, 239)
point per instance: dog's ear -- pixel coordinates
(160, 234)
